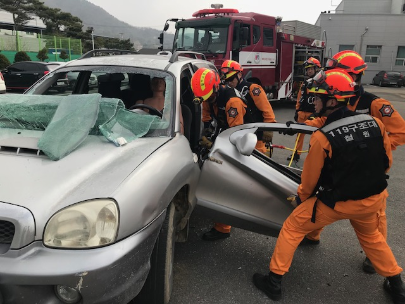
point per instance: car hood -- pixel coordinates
(94, 170)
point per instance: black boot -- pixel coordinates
(270, 284)
(214, 235)
(296, 157)
(396, 288)
(368, 267)
(307, 242)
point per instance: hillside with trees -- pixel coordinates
(105, 24)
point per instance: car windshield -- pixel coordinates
(72, 104)
(211, 39)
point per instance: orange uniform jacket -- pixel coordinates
(320, 148)
(259, 97)
(393, 121)
(235, 110)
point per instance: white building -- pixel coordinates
(31, 28)
(374, 28)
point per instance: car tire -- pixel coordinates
(380, 84)
(159, 284)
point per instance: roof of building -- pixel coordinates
(6, 19)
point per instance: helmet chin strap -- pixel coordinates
(325, 108)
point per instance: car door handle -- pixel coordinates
(18, 74)
(36, 74)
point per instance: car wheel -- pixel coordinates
(159, 284)
(380, 84)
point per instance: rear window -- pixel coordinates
(394, 73)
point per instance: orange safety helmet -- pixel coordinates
(204, 83)
(334, 83)
(312, 62)
(350, 61)
(230, 68)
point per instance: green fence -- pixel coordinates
(10, 44)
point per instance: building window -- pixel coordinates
(268, 37)
(345, 47)
(400, 56)
(373, 53)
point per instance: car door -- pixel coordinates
(249, 191)
(12, 75)
(33, 71)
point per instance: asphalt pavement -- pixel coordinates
(221, 272)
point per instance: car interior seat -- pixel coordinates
(109, 85)
(139, 89)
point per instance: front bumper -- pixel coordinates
(112, 274)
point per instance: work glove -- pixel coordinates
(296, 116)
(205, 142)
(289, 131)
(267, 136)
(294, 200)
(207, 132)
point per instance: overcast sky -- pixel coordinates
(154, 13)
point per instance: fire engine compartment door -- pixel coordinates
(286, 69)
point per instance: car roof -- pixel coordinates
(159, 62)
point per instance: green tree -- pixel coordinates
(21, 56)
(43, 54)
(4, 62)
(63, 55)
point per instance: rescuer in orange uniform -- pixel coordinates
(228, 108)
(255, 97)
(259, 109)
(305, 101)
(365, 103)
(348, 150)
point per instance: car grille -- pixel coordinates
(7, 231)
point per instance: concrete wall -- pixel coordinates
(367, 6)
(386, 30)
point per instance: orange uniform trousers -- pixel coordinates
(298, 224)
(302, 117)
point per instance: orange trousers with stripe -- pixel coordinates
(298, 224)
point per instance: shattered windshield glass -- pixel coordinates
(210, 39)
(108, 103)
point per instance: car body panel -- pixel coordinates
(2, 84)
(388, 78)
(31, 270)
(248, 192)
(143, 177)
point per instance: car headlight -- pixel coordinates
(87, 224)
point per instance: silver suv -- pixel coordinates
(89, 212)
(95, 193)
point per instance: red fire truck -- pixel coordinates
(270, 51)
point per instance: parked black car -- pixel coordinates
(21, 75)
(385, 78)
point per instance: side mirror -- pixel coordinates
(246, 144)
(166, 27)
